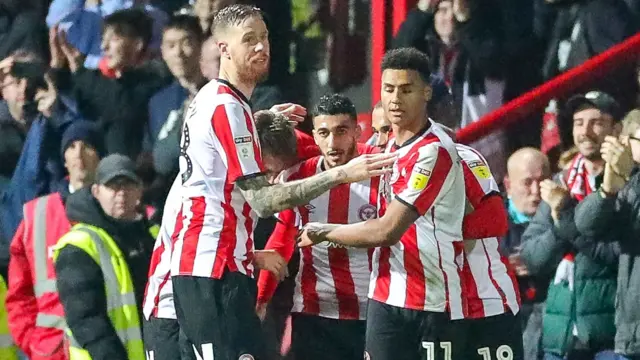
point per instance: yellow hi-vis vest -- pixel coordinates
(121, 300)
(7, 349)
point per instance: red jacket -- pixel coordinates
(36, 318)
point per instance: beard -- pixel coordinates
(253, 74)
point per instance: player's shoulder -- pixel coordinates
(469, 154)
(367, 149)
(301, 170)
(217, 92)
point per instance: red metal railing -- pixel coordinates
(558, 87)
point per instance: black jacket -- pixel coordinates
(81, 284)
(120, 105)
(618, 219)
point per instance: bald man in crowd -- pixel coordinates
(526, 168)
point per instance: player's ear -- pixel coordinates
(223, 46)
(428, 92)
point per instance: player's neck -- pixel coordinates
(405, 132)
(245, 87)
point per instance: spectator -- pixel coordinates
(583, 29)
(21, 28)
(611, 215)
(82, 21)
(39, 170)
(101, 265)
(578, 319)
(204, 11)
(631, 133)
(119, 104)
(181, 47)
(210, 59)
(526, 169)
(7, 349)
(33, 307)
(465, 42)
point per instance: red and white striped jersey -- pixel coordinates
(219, 146)
(491, 287)
(158, 295)
(422, 271)
(333, 280)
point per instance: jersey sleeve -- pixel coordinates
(427, 176)
(282, 240)
(234, 129)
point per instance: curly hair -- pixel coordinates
(408, 59)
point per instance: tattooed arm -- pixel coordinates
(266, 199)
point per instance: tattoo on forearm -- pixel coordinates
(267, 199)
(319, 232)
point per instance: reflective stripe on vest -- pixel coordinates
(115, 300)
(6, 341)
(43, 284)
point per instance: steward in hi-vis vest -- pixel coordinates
(102, 263)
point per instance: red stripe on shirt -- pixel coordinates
(227, 241)
(436, 181)
(222, 129)
(248, 226)
(191, 237)
(383, 280)
(444, 274)
(416, 282)
(174, 237)
(339, 257)
(493, 280)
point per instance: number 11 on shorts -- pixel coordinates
(430, 346)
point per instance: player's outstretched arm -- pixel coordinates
(385, 231)
(267, 199)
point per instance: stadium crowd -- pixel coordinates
(164, 196)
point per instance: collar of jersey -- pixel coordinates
(415, 137)
(235, 90)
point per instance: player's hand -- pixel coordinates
(294, 112)
(553, 194)
(313, 233)
(618, 155)
(271, 261)
(367, 166)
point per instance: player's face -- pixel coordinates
(119, 198)
(381, 127)
(590, 127)
(181, 52)
(404, 96)
(248, 48)
(336, 136)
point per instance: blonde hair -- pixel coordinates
(631, 123)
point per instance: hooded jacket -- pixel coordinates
(80, 281)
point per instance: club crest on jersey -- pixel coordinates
(367, 212)
(479, 169)
(419, 178)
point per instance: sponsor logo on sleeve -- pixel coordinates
(479, 169)
(419, 178)
(244, 144)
